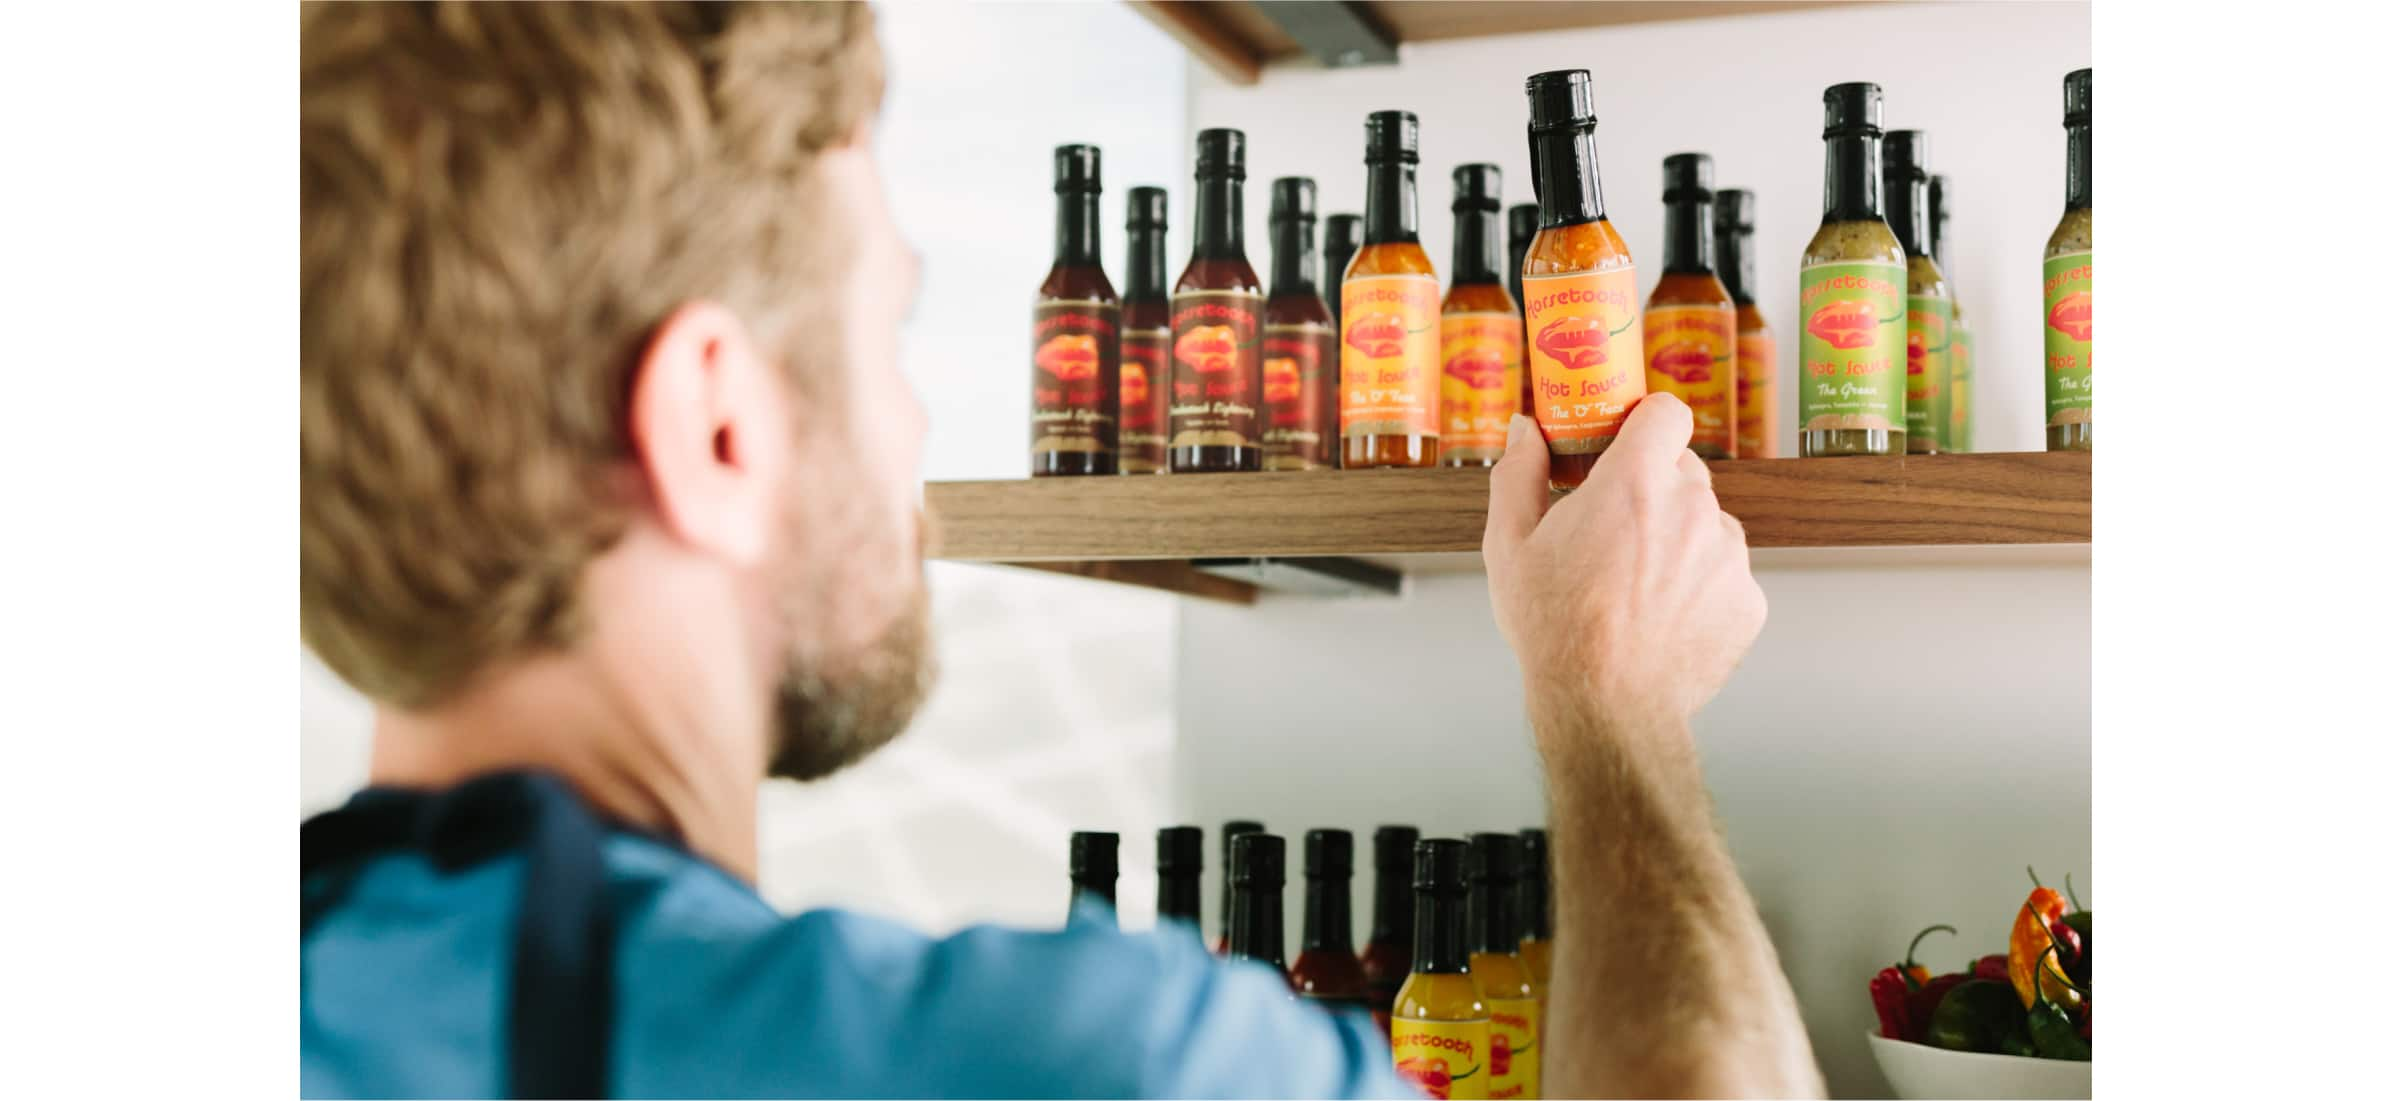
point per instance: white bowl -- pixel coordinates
(1924, 1072)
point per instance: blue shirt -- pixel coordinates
(403, 991)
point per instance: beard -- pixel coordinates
(834, 706)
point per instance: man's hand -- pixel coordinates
(1635, 593)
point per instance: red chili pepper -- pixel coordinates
(1890, 993)
(1995, 967)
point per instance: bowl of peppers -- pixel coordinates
(2014, 1024)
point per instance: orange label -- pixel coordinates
(1388, 365)
(1482, 378)
(1444, 1058)
(1756, 395)
(1690, 351)
(1585, 354)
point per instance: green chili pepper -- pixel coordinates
(2054, 1034)
(1976, 1015)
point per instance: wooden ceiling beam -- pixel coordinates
(1205, 35)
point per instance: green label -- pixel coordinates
(1853, 336)
(2068, 338)
(1927, 399)
(1960, 435)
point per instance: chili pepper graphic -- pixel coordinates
(1683, 362)
(2073, 315)
(1281, 381)
(1376, 333)
(1479, 368)
(1070, 356)
(1210, 349)
(1432, 1075)
(1845, 325)
(1575, 342)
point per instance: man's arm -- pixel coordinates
(1628, 605)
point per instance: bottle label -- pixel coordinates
(1756, 395)
(1387, 375)
(1927, 399)
(1513, 1025)
(1853, 336)
(1445, 1059)
(1690, 351)
(1297, 432)
(1482, 379)
(1585, 354)
(2068, 338)
(1960, 435)
(1216, 368)
(1144, 384)
(1075, 357)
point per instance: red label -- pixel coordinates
(1299, 410)
(1216, 368)
(1145, 386)
(1074, 371)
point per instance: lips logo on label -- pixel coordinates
(1376, 334)
(1431, 1075)
(2073, 315)
(1845, 325)
(1133, 383)
(1477, 368)
(1575, 342)
(1683, 362)
(1918, 353)
(1499, 1054)
(1069, 357)
(1281, 381)
(1210, 349)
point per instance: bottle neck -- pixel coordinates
(1855, 180)
(1735, 267)
(2080, 167)
(1220, 219)
(1494, 917)
(1177, 896)
(1255, 931)
(1477, 247)
(1391, 205)
(1295, 265)
(1687, 247)
(1569, 187)
(1148, 281)
(1075, 229)
(1328, 914)
(1536, 908)
(1097, 890)
(1391, 910)
(1437, 942)
(1906, 211)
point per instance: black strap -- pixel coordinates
(561, 1011)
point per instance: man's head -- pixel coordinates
(599, 308)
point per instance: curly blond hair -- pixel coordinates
(498, 204)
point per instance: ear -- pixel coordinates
(710, 431)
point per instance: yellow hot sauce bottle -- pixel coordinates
(1440, 1028)
(1515, 1009)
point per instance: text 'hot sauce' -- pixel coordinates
(1326, 970)
(1075, 334)
(1927, 305)
(1479, 331)
(1387, 959)
(1585, 337)
(1146, 339)
(1388, 373)
(1853, 382)
(1690, 322)
(2068, 285)
(1756, 346)
(1216, 323)
(1440, 1032)
(1299, 344)
(1958, 415)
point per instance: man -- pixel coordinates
(608, 499)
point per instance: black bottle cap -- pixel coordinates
(1391, 136)
(1328, 854)
(2076, 98)
(1391, 847)
(1477, 187)
(1563, 99)
(1150, 208)
(1686, 177)
(1732, 212)
(1440, 866)
(1258, 860)
(1292, 197)
(1178, 850)
(1079, 168)
(1095, 855)
(1905, 156)
(1523, 218)
(1855, 110)
(1229, 834)
(1221, 153)
(1494, 858)
(1345, 231)
(1532, 853)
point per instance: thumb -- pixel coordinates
(1516, 490)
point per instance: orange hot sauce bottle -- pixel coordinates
(1585, 332)
(1521, 222)
(1075, 334)
(1326, 970)
(1690, 322)
(1440, 1034)
(1299, 342)
(1388, 364)
(1146, 338)
(1536, 908)
(1756, 347)
(1387, 959)
(1479, 332)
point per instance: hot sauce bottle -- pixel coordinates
(2068, 285)
(1326, 970)
(1536, 909)
(1928, 303)
(1515, 1016)
(1387, 959)
(1855, 339)
(1230, 832)
(1521, 224)
(1690, 322)
(1216, 323)
(1338, 243)
(1440, 1033)
(1388, 376)
(1479, 330)
(1756, 347)
(1146, 339)
(1179, 874)
(1075, 334)
(1585, 333)
(1299, 343)
(1257, 876)
(1095, 870)
(1959, 417)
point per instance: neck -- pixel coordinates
(1437, 942)
(1328, 914)
(1569, 186)
(1220, 219)
(1735, 265)
(1687, 247)
(1491, 917)
(1906, 211)
(1391, 908)
(1295, 267)
(1854, 173)
(1175, 897)
(1148, 282)
(1477, 237)
(1255, 931)
(2080, 167)
(1391, 204)
(1075, 229)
